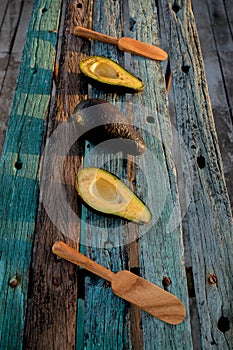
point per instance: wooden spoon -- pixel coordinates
(130, 287)
(124, 44)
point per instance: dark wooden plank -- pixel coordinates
(224, 43)
(54, 283)
(10, 62)
(209, 220)
(4, 5)
(8, 30)
(19, 169)
(217, 45)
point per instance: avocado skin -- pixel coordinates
(130, 141)
(108, 88)
(106, 85)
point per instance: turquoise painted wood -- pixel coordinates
(104, 321)
(208, 213)
(19, 168)
(160, 249)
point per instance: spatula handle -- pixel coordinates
(91, 34)
(66, 252)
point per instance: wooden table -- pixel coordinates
(48, 303)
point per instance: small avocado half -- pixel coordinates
(100, 121)
(106, 193)
(107, 72)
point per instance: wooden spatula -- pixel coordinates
(124, 44)
(130, 287)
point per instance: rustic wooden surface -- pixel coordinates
(55, 283)
(56, 288)
(20, 161)
(208, 212)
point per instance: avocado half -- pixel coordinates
(107, 72)
(112, 125)
(106, 193)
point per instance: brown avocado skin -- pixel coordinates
(112, 125)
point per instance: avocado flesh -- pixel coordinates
(107, 194)
(107, 71)
(112, 125)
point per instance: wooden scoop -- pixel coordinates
(124, 44)
(130, 287)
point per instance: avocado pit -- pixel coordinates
(104, 70)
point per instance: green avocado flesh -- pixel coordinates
(106, 193)
(106, 71)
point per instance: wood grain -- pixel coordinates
(134, 289)
(14, 19)
(54, 284)
(124, 44)
(215, 32)
(155, 249)
(209, 220)
(19, 168)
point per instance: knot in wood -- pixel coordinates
(212, 279)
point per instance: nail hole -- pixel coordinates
(223, 324)
(150, 119)
(131, 24)
(185, 69)
(176, 8)
(201, 162)
(166, 281)
(57, 258)
(13, 282)
(44, 10)
(18, 165)
(79, 5)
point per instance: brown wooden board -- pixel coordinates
(54, 292)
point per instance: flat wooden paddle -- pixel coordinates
(136, 290)
(124, 44)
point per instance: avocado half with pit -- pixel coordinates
(107, 72)
(106, 193)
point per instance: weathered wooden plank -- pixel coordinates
(54, 283)
(161, 248)
(7, 33)
(224, 43)
(4, 5)
(9, 64)
(209, 220)
(108, 327)
(212, 28)
(19, 169)
(108, 242)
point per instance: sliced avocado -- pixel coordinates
(106, 71)
(106, 193)
(103, 121)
